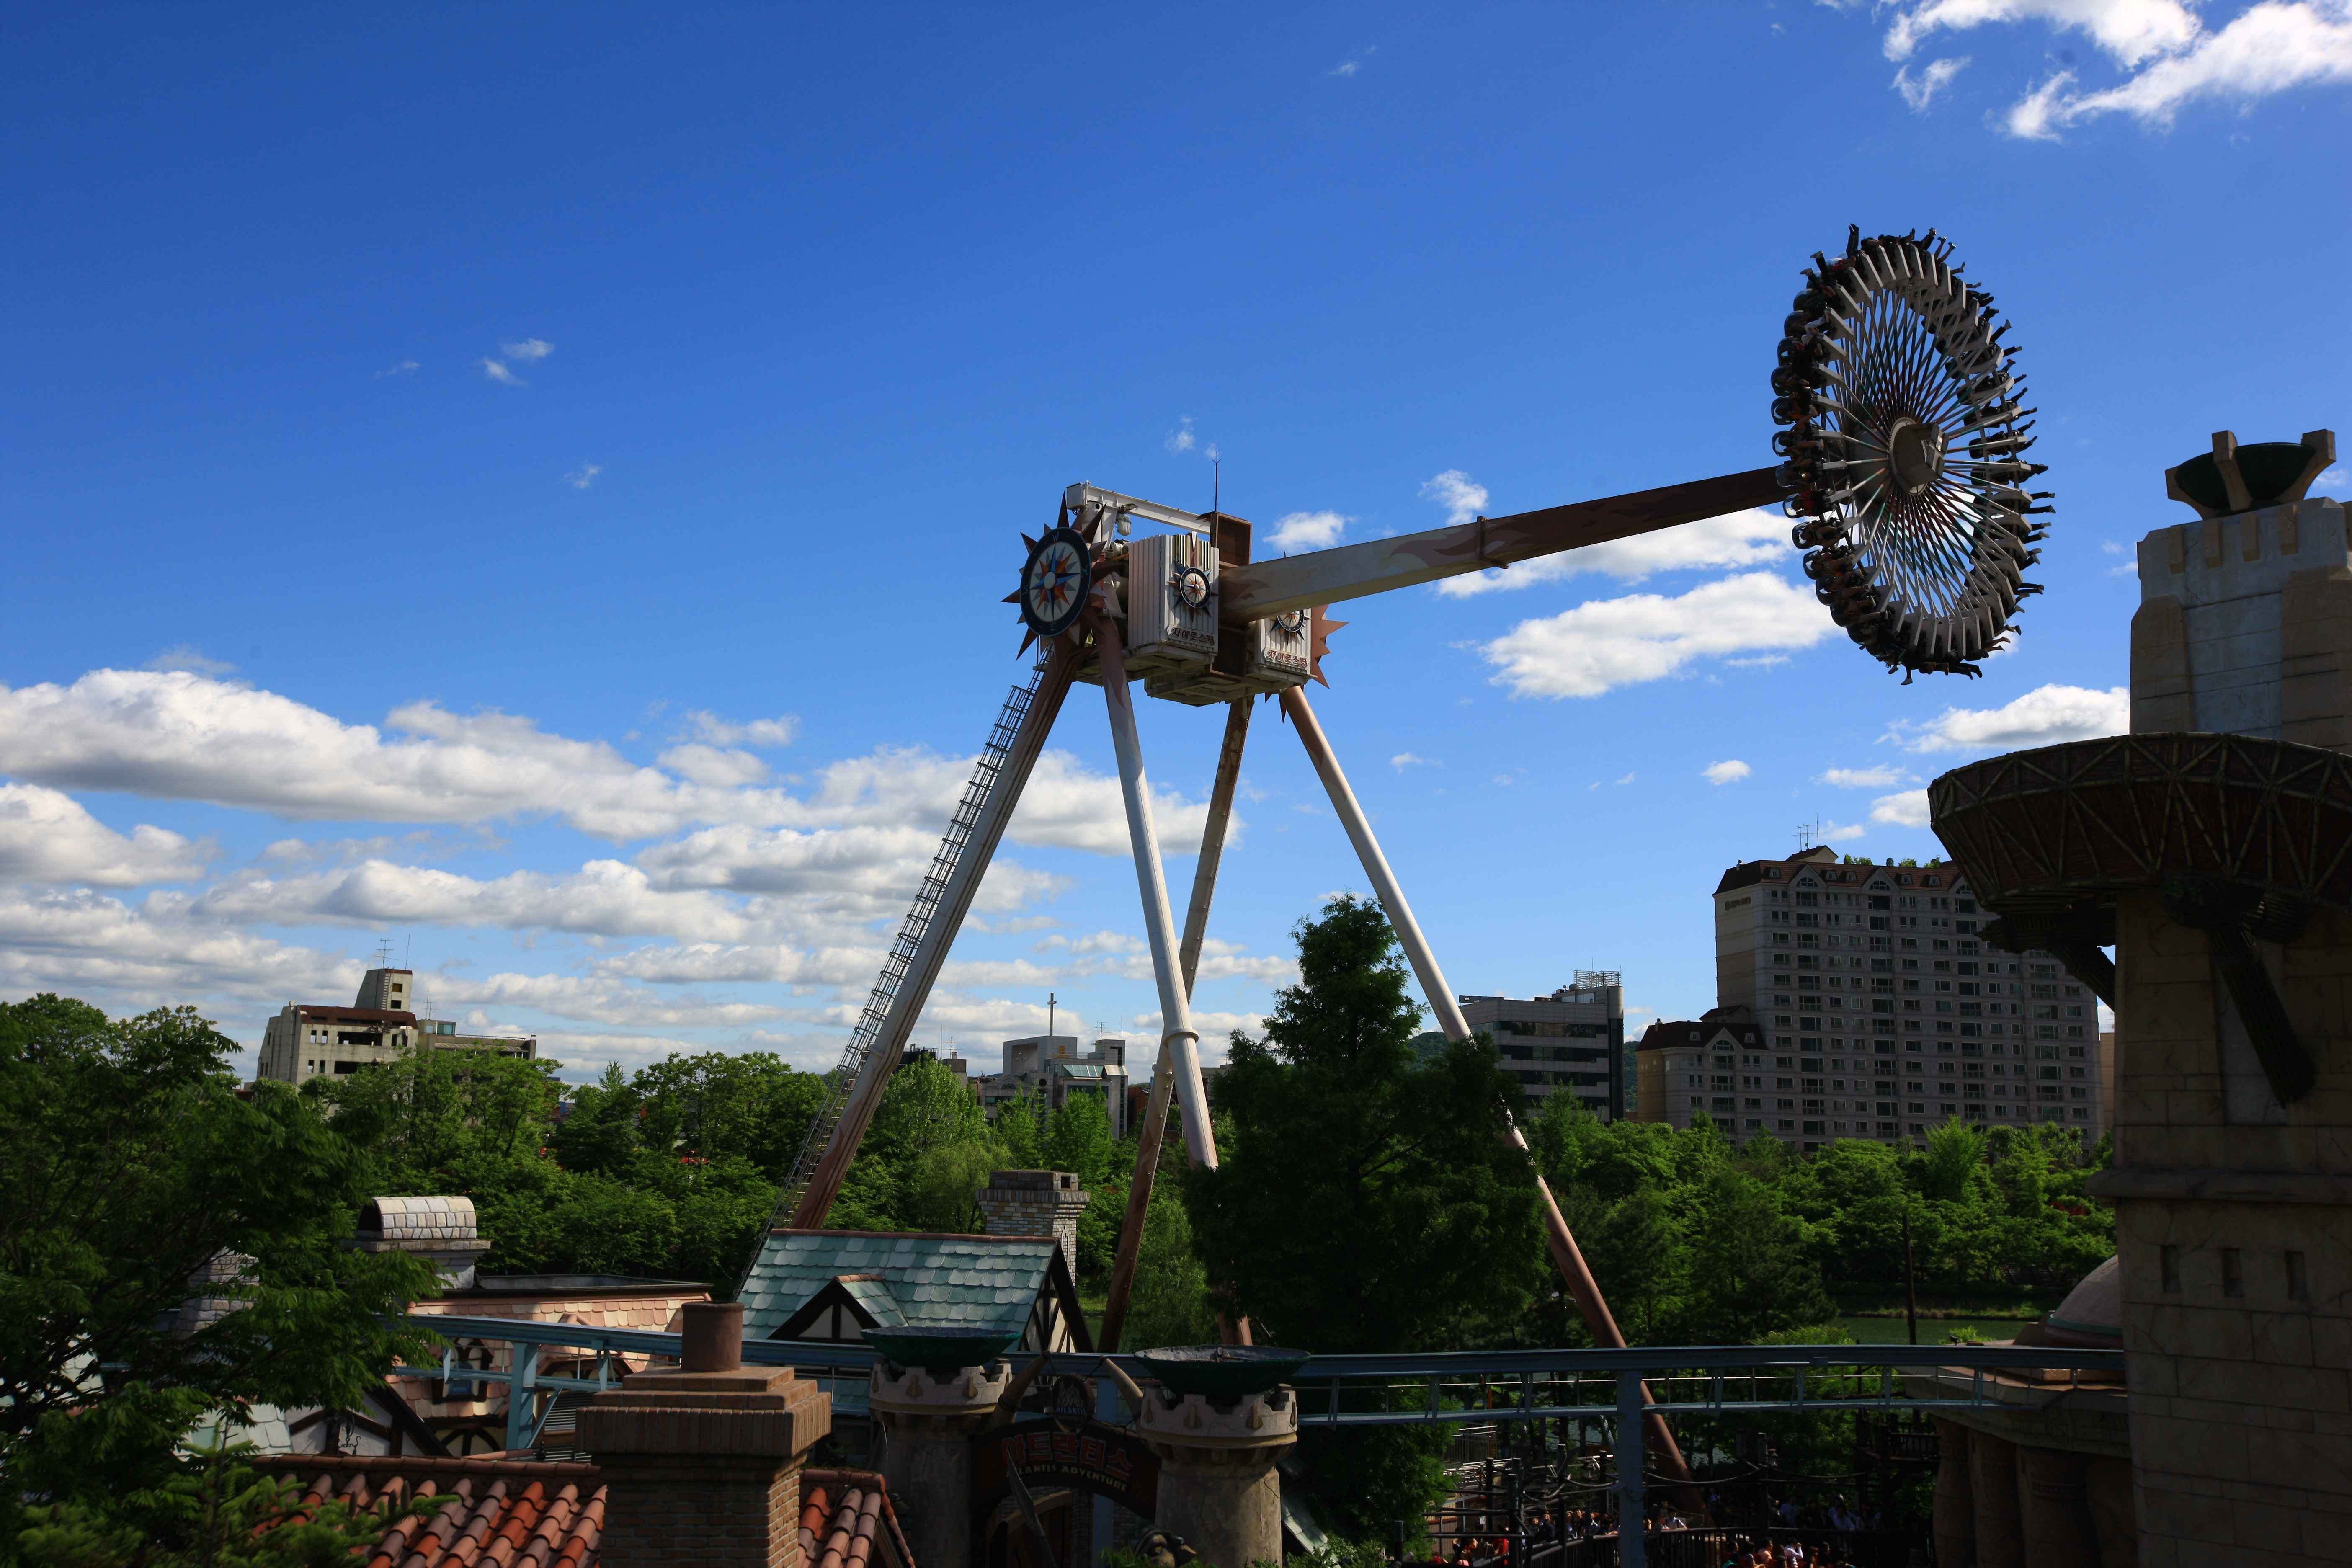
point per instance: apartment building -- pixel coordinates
(1570, 1042)
(1879, 1010)
(308, 1040)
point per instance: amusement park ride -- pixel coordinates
(1903, 466)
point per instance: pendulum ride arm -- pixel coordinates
(1565, 1254)
(1263, 588)
(1163, 1077)
(931, 925)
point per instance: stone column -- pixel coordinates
(928, 1422)
(1992, 1483)
(1956, 1518)
(2053, 1515)
(703, 1465)
(1219, 1489)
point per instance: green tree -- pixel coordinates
(129, 1161)
(1364, 1202)
(216, 1511)
(1021, 1131)
(1078, 1140)
(924, 1159)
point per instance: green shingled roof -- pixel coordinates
(979, 1281)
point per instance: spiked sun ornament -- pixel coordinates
(1905, 452)
(1056, 576)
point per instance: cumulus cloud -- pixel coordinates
(1755, 538)
(1463, 498)
(1182, 438)
(1730, 771)
(1842, 830)
(1309, 530)
(1878, 778)
(1909, 809)
(718, 731)
(175, 735)
(1923, 90)
(496, 370)
(47, 837)
(1608, 643)
(720, 767)
(1404, 759)
(529, 351)
(2170, 56)
(2045, 716)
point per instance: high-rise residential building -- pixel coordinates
(305, 1041)
(1570, 1042)
(1881, 1012)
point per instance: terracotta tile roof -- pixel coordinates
(846, 1521)
(501, 1513)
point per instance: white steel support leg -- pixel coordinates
(1179, 1042)
(1565, 1256)
(1155, 1118)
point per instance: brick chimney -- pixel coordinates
(1037, 1202)
(704, 1464)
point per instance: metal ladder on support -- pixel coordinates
(977, 791)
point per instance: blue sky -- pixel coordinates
(536, 486)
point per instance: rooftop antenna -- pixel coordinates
(384, 954)
(1808, 836)
(1216, 481)
(1049, 1014)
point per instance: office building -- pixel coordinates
(306, 1041)
(1570, 1042)
(1051, 1068)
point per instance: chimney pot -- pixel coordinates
(711, 1338)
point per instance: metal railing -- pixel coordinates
(1499, 1386)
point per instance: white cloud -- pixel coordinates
(1608, 643)
(1463, 498)
(1309, 530)
(2129, 30)
(723, 768)
(1909, 809)
(406, 367)
(1846, 830)
(1728, 771)
(181, 736)
(2172, 58)
(497, 372)
(185, 656)
(47, 837)
(1404, 759)
(718, 731)
(1755, 538)
(2334, 475)
(1180, 439)
(529, 351)
(2045, 716)
(1923, 90)
(1347, 67)
(582, 477)
(1878, 778)
(1626, 780)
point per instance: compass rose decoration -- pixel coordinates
(1055, 582)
